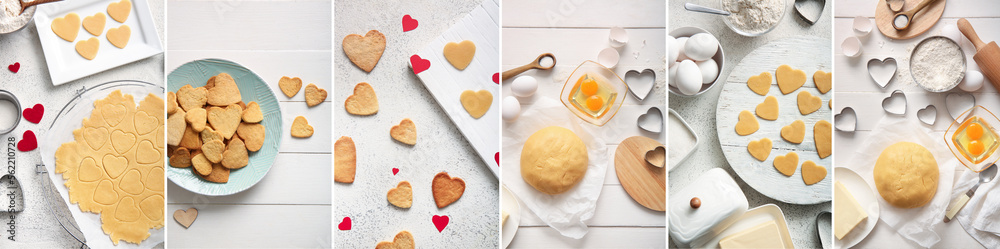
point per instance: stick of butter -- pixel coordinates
(847, 212)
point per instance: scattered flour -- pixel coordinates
(754, 16)
(937, 64)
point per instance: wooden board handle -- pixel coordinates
(969, 32)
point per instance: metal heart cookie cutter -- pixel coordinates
(846, 120)
(640, 84)
(895, 103)
(9, 97)
(810, 10)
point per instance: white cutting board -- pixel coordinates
(446, 83)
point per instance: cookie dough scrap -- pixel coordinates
(125, 188)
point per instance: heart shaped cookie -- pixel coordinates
(363, 101)
(760, 149)
(808, 103)
(66, 27)
(88, 48)
(253, 114)
(290, 86)
(812, 173)
(186, 218)
(314, 95)
(746, 124)
(795, 132)
(190, 98)
(181, 158)
(120, 10)
(401, 195)
(822, 136)
(219, 174)
(789, 79)
(93, 24)
(213, 150)
(403, 240)
(225, 121)
(823, 81)
(210, 134)
(119, 36)
(447, 189)
(345, 160)
(175, 127)
(786, 164)
(197, 119)
(252, 134)
(301, 128)
(190, 139)
(476, 103)
(172, 103)
(364, 51)
(236, 155)
(460, 54)
(768, 109)
(225, 92)
(201, 164)
(405, 132)
(760, 84)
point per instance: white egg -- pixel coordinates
(688, 77)
(511, 108)
(972, 82)
(681, 41)
(701, 46)
(672, 47)
(524, 86)
(671, 76)
(951, 31)
(709, 70)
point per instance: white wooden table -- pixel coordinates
(291, 206)
(854, 88)
(474, 219)
(35, 226)
(700, 111)
(574, 33)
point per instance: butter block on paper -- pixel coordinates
(847, 212)
(765, 235)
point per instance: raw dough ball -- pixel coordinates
(906, 175)
(701, 46)
(709, 71)
(688, 77)
(553, 160)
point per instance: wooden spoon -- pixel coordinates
(537, 64)
(908, 15)
(987, 54)
(25, 5)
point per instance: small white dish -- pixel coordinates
(608, 57)
(675, 119)
(866, 198)
(719, 58)
(513, 207)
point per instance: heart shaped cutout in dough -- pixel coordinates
(401, 195)
(88, 48)
(67, 27)
(760, 149)
(760, 84)
(808, 103)
(768, 109)
(460, 54)
(120, 10)
(746, 124)
(786, 164)
(363, 101)
(789, 79)
(405, 132)
(823, 81)
(364, 51)
(795, 132)
(94, 24)
(476, 103)
(812, 173)
(119, 36)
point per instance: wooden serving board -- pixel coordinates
(922, 21)
(805, 53)
(645, 183)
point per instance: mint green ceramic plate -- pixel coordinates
(252, 88)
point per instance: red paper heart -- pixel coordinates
(394, 171)
(28, 141)
(440, 222)
(14, 67)
(418, 64)
(409, 23)
(497, 157)
(33, 114)
(346, 224)
(496, 78)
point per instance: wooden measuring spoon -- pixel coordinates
(908, 15)
(895, 5)
(25, 5)
(987, 54)
(537, 64)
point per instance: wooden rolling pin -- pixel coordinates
(987, 55)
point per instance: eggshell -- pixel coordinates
(709, 70)
(524, 86)
(608, 57)
(511, 108)
(701, 46)
(688, 77)
(972, 82)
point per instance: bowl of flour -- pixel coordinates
(937, 64)
(753, 17)
(11, 18)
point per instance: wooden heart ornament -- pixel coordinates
(460, 54)
(476, 103)
(405, 132)
(364, 51)
(447, 189)
(185, 218)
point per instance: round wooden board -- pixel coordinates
(804, 53)
(922, 21)
(645, 183)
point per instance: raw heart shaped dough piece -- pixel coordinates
(67, 27)
(760, 84)
(476, 103)
(405, 132)
(225, 121)
(786, 164)
(345, 160)
(119, 36)
(236, 155)
(460, 54)
(314, 95)
(225, 92)
(447, 189)
(185, 218)
(789, 79)
(808, 103)
(364, 51)
(812, 173)
(747, 123)
(794, 132)
(94, 24)
(120, 10)
(760, 149)
(253, 114)
(401, 195)
(301, 128)
(363, 101)
(88, 48)
(768, 109)
(822, 136)
(290, 86)
(403, 240)
(823, 81)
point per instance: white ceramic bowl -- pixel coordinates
(719, 59)
(784, 9)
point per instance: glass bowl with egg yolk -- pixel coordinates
(594, 93)
(972, 138)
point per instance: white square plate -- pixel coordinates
(66, 65)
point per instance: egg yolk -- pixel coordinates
(974, 131)
(588, 87)
(975, 147)
(594, 103)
